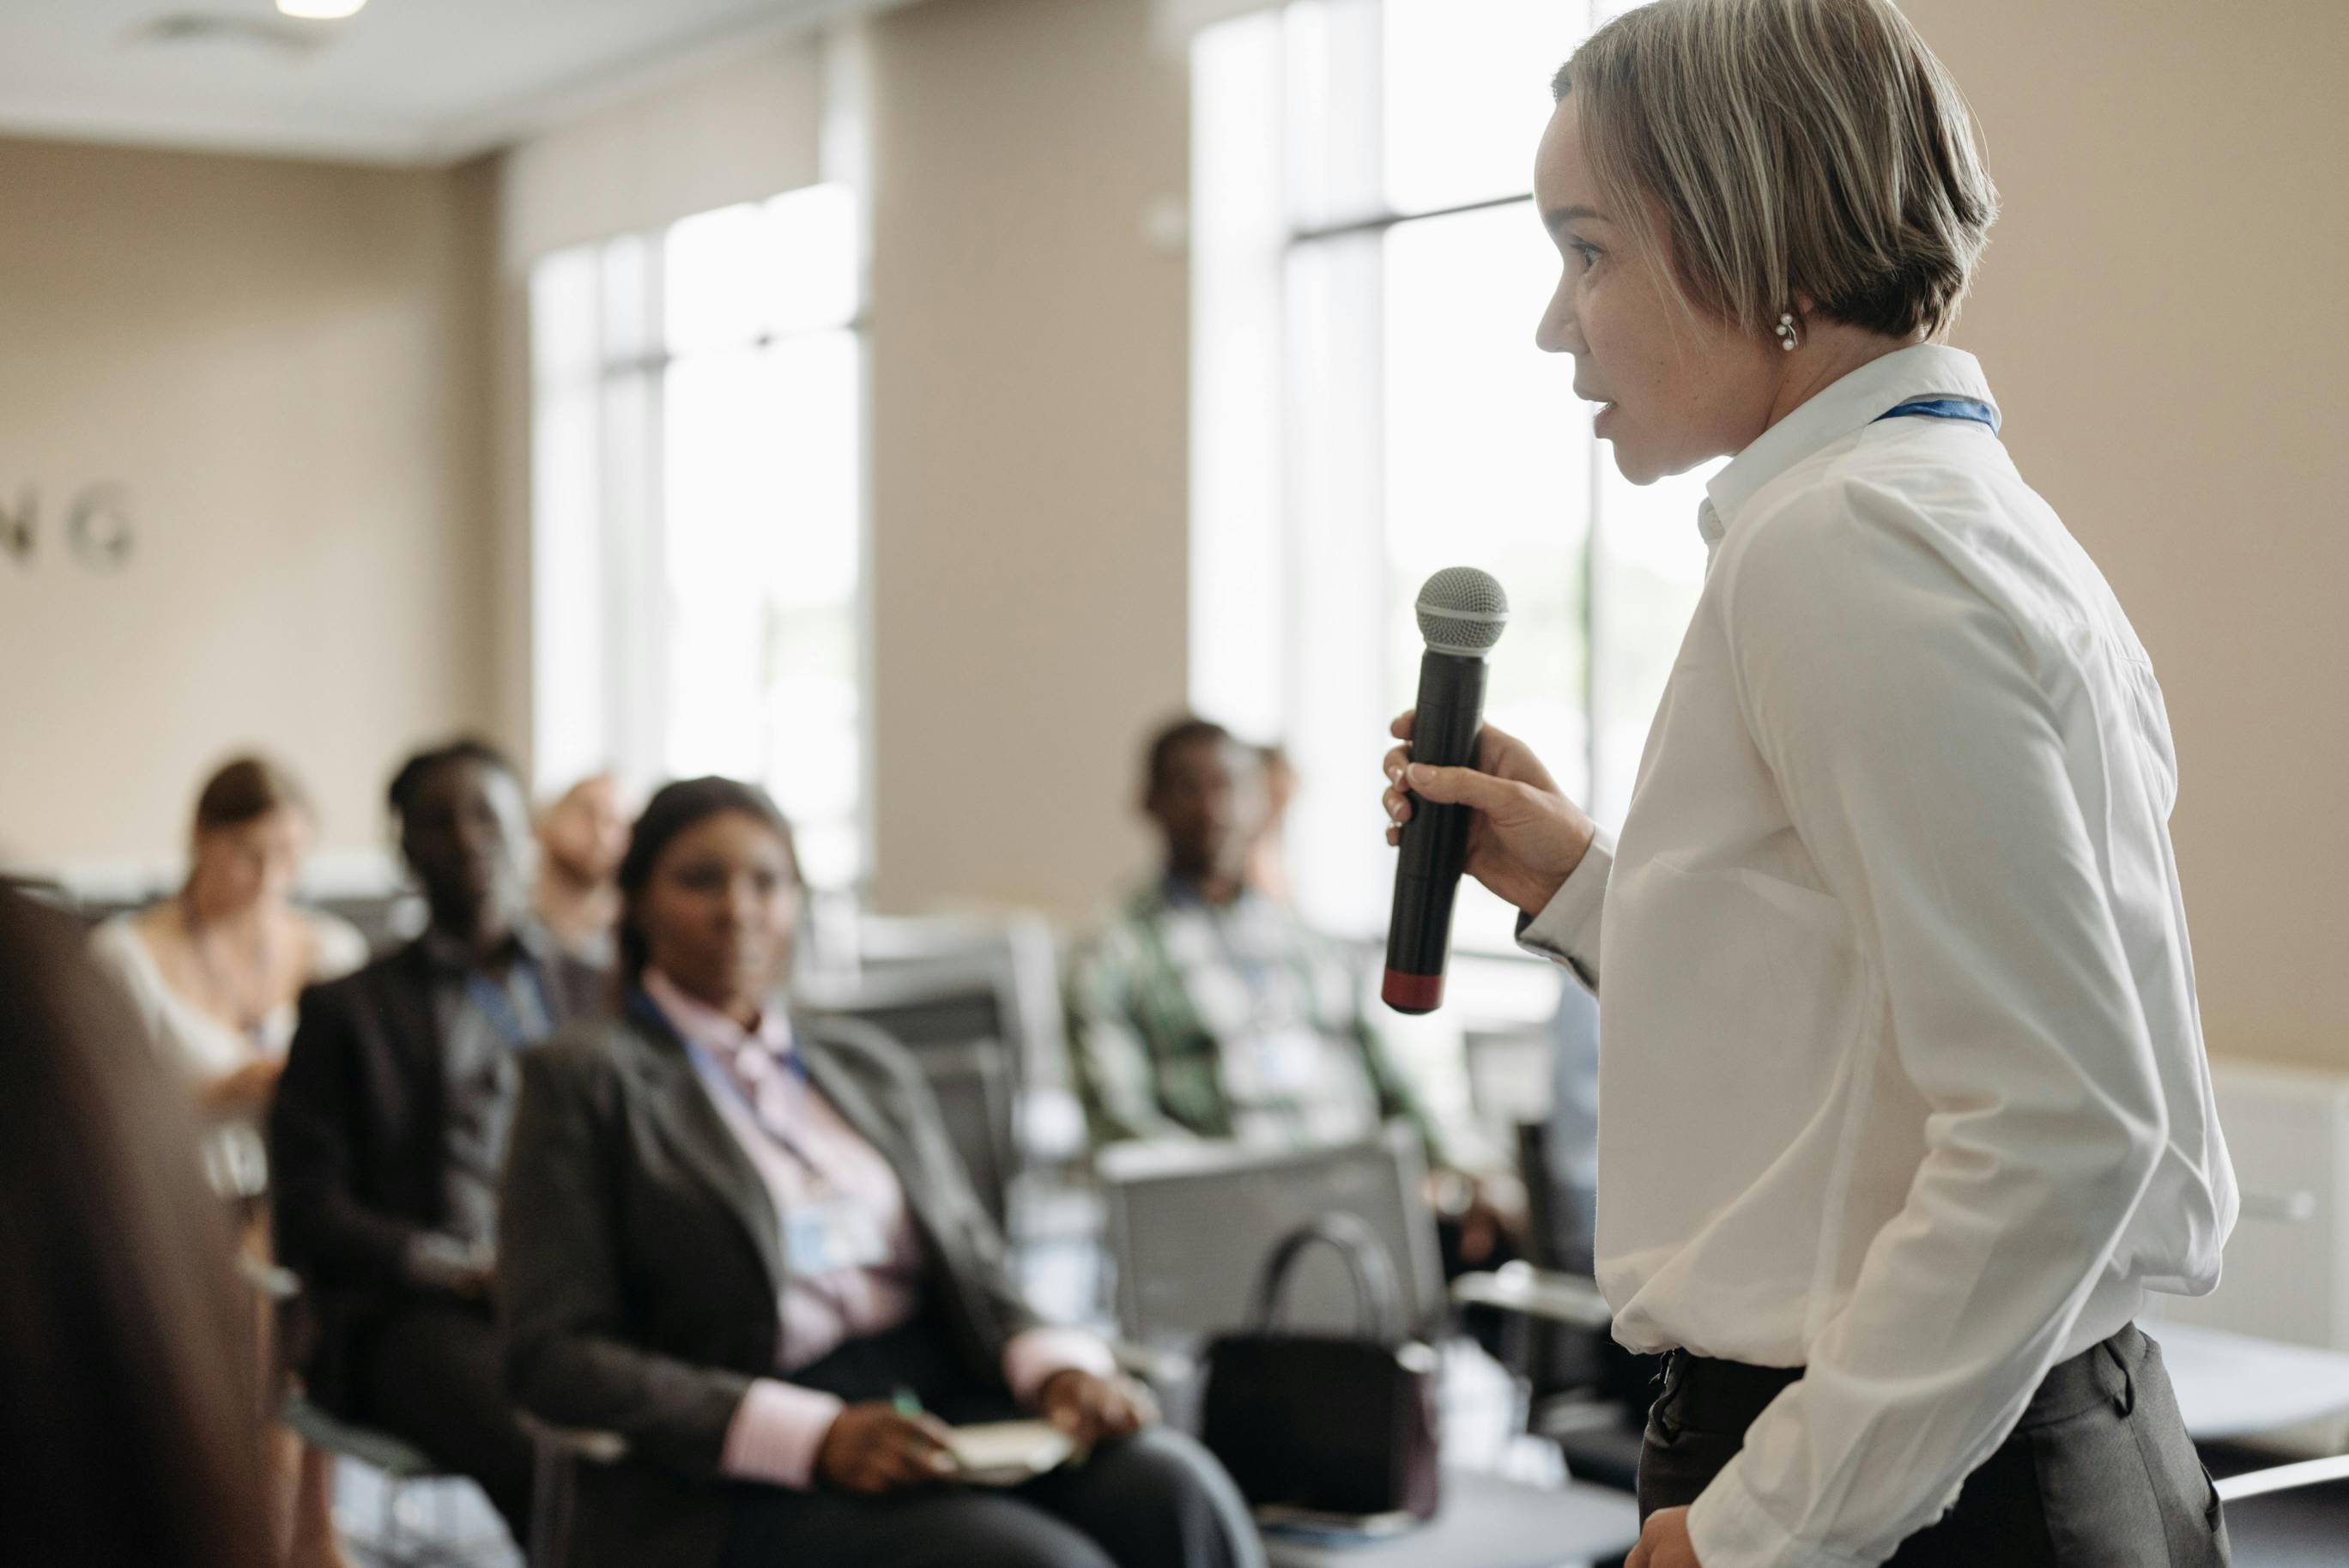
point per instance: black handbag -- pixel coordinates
(1329, 1424)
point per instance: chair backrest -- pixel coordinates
(1014, 954)
(1562, 1357)
(2300, 1477)
(43, 889)
(1190, 1224)
(951, 1018)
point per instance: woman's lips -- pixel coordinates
(1599, 421)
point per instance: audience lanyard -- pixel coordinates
(1944, 407)
(831, 1236)
(496, 1004)
(730, 1080)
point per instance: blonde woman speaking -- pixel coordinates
(1905, 1110)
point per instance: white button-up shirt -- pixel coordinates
(1901, 1073)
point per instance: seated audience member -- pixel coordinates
(127, 1375)
(390, 1127)
(1204, 1009)
(213, 971)
(581, 838)
(212, 974)
(742, 1240)
(1207, 1009)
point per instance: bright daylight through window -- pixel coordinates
(698, 511)
(1369, 407)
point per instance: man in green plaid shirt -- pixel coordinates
(1204, 1008)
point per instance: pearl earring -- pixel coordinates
(1786, 331)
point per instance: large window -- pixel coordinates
(697, 510)
(1370, 406)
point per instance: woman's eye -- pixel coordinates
(1584, 252)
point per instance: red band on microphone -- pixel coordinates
(1412, 993)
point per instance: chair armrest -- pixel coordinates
(1158, 1368)
(1529, 1292)
(576, 1443)
(2283, 1478)
(267, 1279)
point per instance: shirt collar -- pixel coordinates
(1174, 890)
(1832, 413)
(527, 940)
(704, 1025)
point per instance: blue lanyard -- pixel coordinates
(495, 1004)
(643, 1007)
(1972, 408)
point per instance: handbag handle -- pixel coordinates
(1376, 1294)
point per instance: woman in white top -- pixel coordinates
(214, 970)
(1905, 1105)
(213, 974)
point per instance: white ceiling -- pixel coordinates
(404, 81)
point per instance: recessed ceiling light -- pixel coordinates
(320, 10)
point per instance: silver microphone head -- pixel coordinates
(1461, 611)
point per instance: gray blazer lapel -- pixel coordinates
(986, 1304)
(679, 1108)
(881, 1127)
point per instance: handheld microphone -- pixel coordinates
(1461, 611)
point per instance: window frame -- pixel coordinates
(633, 625)
(1326, 119)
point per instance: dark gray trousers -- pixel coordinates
(2100, 1473)
(1156, 1500)
(431, 1373)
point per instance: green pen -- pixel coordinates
(909, 1403)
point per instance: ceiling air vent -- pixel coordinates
(268, 35)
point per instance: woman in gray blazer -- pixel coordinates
(743, 1241)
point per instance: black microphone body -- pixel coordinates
(1445, 729)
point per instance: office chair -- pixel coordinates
(396, 1542)
(1189, 1225)
(557, 1454)
(951, 1014)
(1585, 1392)
(1016, 952)
(2289, 1515)
(1019, 955)
(401, 1466)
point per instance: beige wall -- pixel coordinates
(2161, 316)
(1029, 374)
(282, 362)
(741, 131)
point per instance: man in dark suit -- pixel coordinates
(389, 1129)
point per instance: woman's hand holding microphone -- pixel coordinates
(1526, 836)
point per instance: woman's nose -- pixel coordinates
(1556, 332)
(1553, 334)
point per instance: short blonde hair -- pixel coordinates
(1795, 149)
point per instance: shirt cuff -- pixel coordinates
(775, 1433)
(1567, 929)
(1728, 1528)
(1033, 1356)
